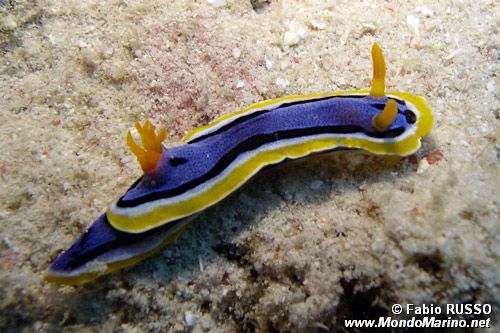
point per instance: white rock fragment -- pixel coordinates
(344, 37)
(282, 83)
(190, 318)
(81, 44)
(269, 63)
(368, 27)
(453, 54)
(422, 166)
(224, 292)
(293, 37)
(240, 84)
(200, 263)
(217, 3)
(426, 11)
(236, 53)
(317, 24)
(51, 39)
(414, 25)
(303, 32)
(490, 86)
(320, 326)
(108, 52)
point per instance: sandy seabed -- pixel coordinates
(301, 247)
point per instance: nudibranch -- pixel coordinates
(215, 160)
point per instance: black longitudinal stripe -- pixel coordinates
(253, 143)
(284, 105)
(122, 239)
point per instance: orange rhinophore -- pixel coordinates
(149, 154)
(384, 119)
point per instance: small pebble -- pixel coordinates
(317, 24)
(217, 3)
(426, 11)
(490, 86)
(414, 24)
(282, 83)
(269, 63)
(236, 53)
(293, 37)
(190, 318)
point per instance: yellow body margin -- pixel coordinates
(238, 176)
